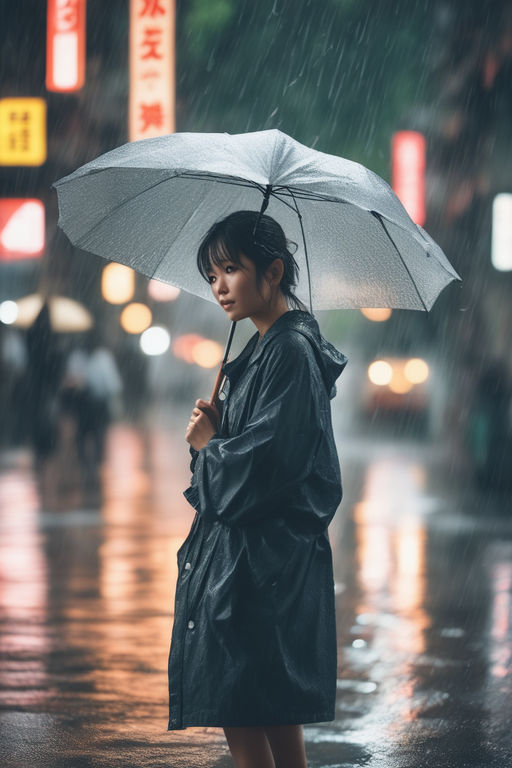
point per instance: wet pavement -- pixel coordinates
(423, 572)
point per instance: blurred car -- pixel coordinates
(397, 385)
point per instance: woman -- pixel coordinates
(253, 646)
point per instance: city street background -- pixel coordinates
(95, 396)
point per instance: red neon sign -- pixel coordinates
(408, 151)
(65, 45)
(22, 228)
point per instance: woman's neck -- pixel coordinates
(264, 323)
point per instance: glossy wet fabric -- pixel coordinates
(254, 633)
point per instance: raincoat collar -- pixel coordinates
(330, 360)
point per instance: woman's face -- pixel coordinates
(237, 283)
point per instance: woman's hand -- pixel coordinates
(203, 424)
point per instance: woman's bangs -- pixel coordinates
(218, 252)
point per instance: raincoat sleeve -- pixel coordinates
(240, 479)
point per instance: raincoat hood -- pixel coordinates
(330, 360)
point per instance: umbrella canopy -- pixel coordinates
(149, 203)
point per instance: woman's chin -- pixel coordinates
(235, 314)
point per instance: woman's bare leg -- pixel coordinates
(287, 744)
(249, 747)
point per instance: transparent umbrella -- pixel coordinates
(147, 204)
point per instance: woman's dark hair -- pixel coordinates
(233, 235)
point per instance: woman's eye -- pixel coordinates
(212, 277)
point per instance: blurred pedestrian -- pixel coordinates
(43, 376)
(13, 368)
(90, 391)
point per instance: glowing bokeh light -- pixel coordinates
(207, 353)
(399, 384)
(135, 318)
(380, 373)
(117, 283)
(376, 314)
(416, 370)
(155, 340)
(8, 312)
(159, 291)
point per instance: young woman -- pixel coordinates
(253, 646)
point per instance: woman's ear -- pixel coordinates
(275, 271)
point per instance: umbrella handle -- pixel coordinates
(218, 380)
(217, 385)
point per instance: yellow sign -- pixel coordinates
(22, 131)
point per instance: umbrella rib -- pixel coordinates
(176, 237)
(223, 179)
(318, 198)
(283, 201)
(379, 217)
(305, 251)
(305, 195)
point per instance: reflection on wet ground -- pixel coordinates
(423, 571)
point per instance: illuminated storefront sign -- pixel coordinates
(22, 131)
(65, 45)
(501, 244)
(22, 228)
(408, 160)
(152, 77)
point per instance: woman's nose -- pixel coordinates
(220, 285)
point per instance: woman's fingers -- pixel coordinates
(211, 411)
(205, 404)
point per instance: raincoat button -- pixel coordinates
(187, 566)
(191, 625)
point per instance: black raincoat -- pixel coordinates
(254, 634)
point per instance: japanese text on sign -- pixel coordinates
(152, 82)
(22, 131)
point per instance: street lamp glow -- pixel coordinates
(501, 248)
(155, 341)
(8, 312)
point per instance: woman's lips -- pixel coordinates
(228, 305)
